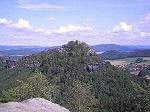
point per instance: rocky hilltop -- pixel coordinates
(32, 105)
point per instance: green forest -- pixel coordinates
(74, 77)
(113, 54)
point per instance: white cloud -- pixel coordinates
(144, 34)
(4, 21)
(21, 24)
(87, 19)
(72, 28)
(131, 34)
(22, 33)
(37, 6)
(145, 19)
(48, 32)
(51, 19)
(40, 30)
(144, 24)
(122, 27)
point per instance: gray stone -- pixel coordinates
(32, 105)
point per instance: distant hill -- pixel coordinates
(111, 55)
(16, 52)
(109, 47)
(142, 46)
(3, 47)
(120, 48)
(23, 50)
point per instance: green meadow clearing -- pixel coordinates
(128, 60)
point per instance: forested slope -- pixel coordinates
(74, 77)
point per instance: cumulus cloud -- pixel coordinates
(4, 21)
(37, 6)
(87, 19)
(144, 24)
(131, 34)
(48, 32)
(144, 34)
(72, 28)
(51, 19)
(40, 30)
(145, 19)
(21, 24)
(122, 27)
(22, 33)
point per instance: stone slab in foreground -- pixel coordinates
(32, 105)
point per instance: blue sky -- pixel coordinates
(55, 22)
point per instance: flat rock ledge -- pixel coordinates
(32, 105)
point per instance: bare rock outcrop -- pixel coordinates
(32, 105)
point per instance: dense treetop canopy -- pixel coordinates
(63, 77)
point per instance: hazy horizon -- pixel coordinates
(55, 22)
(68, 41)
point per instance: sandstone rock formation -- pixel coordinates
(32, 105)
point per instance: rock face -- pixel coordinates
(32, 105)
